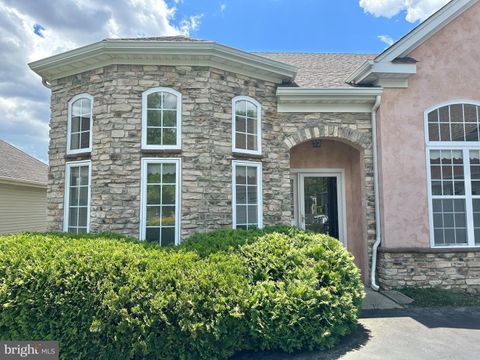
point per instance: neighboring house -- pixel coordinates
(23, 191)
(163, 137)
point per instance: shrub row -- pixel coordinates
(105, 297)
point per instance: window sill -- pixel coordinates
(243, 155)
(160, 151)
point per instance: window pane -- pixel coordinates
(241, 124)
(86, 106)
(153, 234)
(241, 194)
(154, 101)
(458, 132)
(85, 123)
(241, 214)
(154, 136)
(251, 110)
(153, 194)
(77, 108)
(252, 175)
(154, 118)
(72, 216)
(82, 216)
(433, 132)
(470, 113)
(75, 125)
(251, 142)
(169, 118)
(449, 222)
(169, 101)
(252, 215)
(433, 117)
(456, 113)
(73, 196)
(241, 174)
(84, 175)
(75, 141)
(85, 140)
(153, 215)
(153, 173)
(168, 194)
(169, 171)
(83, 199)
(169, 136)
(168, 215)
(252, 195)
(168, 236)
(240, 141)
(241, 108)
(74, 176)
(444, 114)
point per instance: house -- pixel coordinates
(163, 137)
(23, 191)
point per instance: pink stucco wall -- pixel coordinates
(448, 68)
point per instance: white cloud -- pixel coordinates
(415, 9)
(387, 39)
(223, 7)
(66, 24)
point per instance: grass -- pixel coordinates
(435, 297)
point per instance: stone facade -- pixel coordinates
(446, 268)
(206, 145)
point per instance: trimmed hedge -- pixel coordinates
(107, 297)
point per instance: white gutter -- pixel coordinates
(378, 227)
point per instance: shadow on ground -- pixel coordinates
(354, 341)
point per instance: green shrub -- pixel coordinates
(108, 297)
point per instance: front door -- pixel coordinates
(320, 200)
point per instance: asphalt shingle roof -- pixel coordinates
(320, 70)
(16, 164)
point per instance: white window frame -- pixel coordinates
(66, 199)
(258, 166)
(259, 126)
(143, 194)
(145, 94)
(69, 124)
(465, 147)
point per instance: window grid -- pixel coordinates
(160, 213)
(77, 197)
(79, 124)
(246, 125)
(247, 195)
(454, 123)
(162, 128)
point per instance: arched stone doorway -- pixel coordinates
(328, 178)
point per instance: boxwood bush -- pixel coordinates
(108, 297)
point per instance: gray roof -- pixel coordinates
(320, 70)
(17, 165)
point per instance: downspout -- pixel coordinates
(378, 228)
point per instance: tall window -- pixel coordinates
(160, 213)
(246, 125)
(79, 131)
(247, 194)
(453, 154)
(161, 119)
(77, 197)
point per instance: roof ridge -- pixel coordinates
(313, 53)
(23, 152)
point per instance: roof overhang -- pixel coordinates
(385, 71)
(22, 182)
(147, 52)
(354, 99)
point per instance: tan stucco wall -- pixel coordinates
(22, 208)
(337, 155)
(447, 69)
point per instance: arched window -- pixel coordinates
(79, 133)
(453, 158)
(161, 119)
(246, 125)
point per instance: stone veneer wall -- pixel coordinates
(444, 268)
(206, 145)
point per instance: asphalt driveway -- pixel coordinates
(437, 334)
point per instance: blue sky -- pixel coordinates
(299, 25)
(35, 29)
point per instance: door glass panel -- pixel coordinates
(321, 208)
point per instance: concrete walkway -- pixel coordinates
(401, 334)
(377, 301)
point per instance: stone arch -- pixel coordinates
(342, 133)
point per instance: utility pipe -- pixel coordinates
(378, 229)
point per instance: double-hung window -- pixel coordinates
(453, 158)
(161, 119)
(79, 132)
(77, 197)
(246, 125)
(247, 194)
(160, 201)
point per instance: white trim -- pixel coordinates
(339, 174)
(145, 94)
(66, 199)
(69, 124)
(259, 125)
(465, 147)
(258, 166)
(143, 194)
(348, 99)
(22, 182)
(152, 52)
